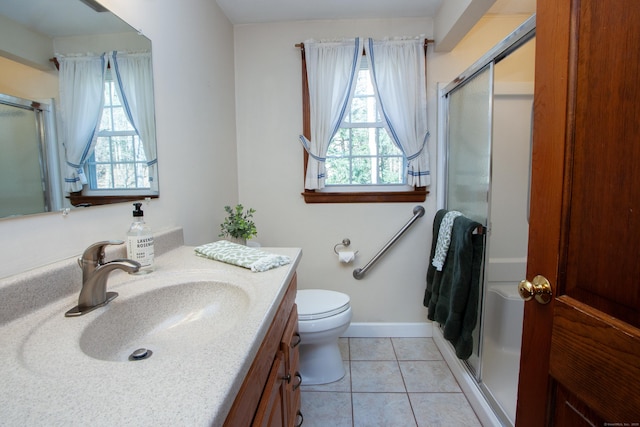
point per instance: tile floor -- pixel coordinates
(389, 382)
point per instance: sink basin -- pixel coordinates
(175, 317)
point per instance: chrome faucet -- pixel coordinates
(94, 277)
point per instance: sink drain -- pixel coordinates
(140, 354)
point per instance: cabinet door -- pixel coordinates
(289, 346)
(272, 410)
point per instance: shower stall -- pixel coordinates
(486, 115)
(29, 168)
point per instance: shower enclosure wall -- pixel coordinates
(487, 120)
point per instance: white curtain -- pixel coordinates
(81, 100)
(332, 69)
(134, 75)
(398, 72)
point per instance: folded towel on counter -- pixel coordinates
(444, 239)
(243, 256)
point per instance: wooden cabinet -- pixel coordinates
(270, 393)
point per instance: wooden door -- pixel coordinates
(580, 362)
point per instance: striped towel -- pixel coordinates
(444, 239)
(243, 256)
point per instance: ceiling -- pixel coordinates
(58, 18)
(72, 17)
(257, 11)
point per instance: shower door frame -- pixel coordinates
(520, 36)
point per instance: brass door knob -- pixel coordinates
(540, 289)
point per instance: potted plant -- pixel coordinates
(238, 226)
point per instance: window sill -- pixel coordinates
(78, 199)
(417, 195)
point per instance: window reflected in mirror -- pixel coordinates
(119, 166)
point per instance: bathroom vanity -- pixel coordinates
(270, 393)
(222, 341)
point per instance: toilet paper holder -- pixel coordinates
(345, 243)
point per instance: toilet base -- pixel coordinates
(321, 363)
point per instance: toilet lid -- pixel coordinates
(316, 304)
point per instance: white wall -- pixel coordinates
(100, 43)
(22, 81)
(194, 88)
(16, 41)
(269, 120)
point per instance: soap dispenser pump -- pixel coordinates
(140, 241)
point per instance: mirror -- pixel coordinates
(32, 32)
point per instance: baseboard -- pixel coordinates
(395, 330)
(469, 387)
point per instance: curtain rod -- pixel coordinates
(426, 43)
(56, 63)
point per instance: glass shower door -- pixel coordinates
(22, 188)
(468, 172)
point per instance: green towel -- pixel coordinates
(254, 259)
(452, 294)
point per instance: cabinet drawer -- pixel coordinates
(289, 347)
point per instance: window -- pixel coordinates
(362, 153)
(363, 165)
(118, 162)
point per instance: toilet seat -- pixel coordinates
(314, 304)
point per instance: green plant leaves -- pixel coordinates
(239, 223)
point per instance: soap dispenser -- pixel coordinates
(140, 241)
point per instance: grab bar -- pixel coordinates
(359, 273)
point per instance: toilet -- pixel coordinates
(323, 316)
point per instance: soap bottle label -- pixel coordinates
(140, 248)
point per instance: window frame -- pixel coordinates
(416, 194)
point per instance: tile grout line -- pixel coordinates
(413, 413)
(353, 412)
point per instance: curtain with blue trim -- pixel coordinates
(81, 100)
(134, 75)
(332, 69)
(397, 70)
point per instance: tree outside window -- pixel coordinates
(361, 152)
(118, 161)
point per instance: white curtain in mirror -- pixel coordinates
(81, 102)
(398, 72)
(331, 73)
(134, 74)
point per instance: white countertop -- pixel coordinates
(47, 379)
